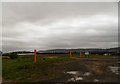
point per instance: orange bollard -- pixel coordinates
(35, 56)
(70, 55)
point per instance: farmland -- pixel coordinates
(59, 68)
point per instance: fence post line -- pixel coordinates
(34, 55)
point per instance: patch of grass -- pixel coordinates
(25, 70)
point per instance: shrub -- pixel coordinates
(13, 55)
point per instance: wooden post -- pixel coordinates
(34, 55)
(70, 55)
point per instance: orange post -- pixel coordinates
(70, 55)
(35, 56)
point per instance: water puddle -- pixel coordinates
(72, 72)
(77, 75)
(51, 57)
(71, 79)
(96, 80)
(87, 74)
(114, 69)
(76, 78)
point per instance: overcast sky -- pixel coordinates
(51, 25)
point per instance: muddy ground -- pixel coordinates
(87, 70)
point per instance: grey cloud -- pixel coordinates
(59, 25)
(17, 12)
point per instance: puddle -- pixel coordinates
(74, 79)
(114, 69)
(72, 72)
(86, 73)
(51, 57)
(71, 79)
(76, 76)
(95, 80)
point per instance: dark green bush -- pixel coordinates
(13, 55)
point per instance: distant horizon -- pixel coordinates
(56, 49)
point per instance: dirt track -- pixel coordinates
(87, 70)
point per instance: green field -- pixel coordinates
(25, 70)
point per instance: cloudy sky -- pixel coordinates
(51, 25)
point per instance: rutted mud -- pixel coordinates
(114, 69)
(88, 70)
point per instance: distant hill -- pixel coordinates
(92, 50)
(82, 50)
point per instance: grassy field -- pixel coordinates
(25, 70)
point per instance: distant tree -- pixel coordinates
(13, 55)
